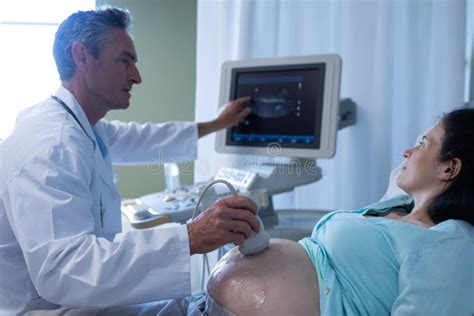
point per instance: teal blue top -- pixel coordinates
(381, 266)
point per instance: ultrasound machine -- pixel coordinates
(296, 113)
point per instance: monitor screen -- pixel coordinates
(294, 103)
(286, 105)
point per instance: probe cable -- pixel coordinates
(206, 270)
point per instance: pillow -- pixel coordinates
(393, 189)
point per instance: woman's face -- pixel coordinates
(422, 168)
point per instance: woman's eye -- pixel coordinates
(421, 143)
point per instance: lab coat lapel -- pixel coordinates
(68, 98)
(109, 199)
(105, 169)
(104, 164)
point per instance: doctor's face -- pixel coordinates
(422, 167)
(111, 76)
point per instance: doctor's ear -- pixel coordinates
(80, 54)
(451, 169)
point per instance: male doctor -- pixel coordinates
(59, 206)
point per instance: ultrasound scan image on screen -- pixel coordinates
(286, 105)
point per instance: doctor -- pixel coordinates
(59, 206)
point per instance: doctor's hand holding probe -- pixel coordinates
(59, 205)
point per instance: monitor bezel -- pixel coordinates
(330, 110)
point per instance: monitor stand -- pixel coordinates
(279, 175)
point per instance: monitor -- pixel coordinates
(295, 106)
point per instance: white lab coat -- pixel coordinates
(60, 211)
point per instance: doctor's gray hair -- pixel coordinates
(92, 28)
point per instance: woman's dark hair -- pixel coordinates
(457, 201)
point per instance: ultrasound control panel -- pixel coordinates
(171, 207)
(162, 207)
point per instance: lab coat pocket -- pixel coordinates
(110, 211)
(109, 203)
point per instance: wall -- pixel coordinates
(164, 32)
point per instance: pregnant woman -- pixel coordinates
(413, 254)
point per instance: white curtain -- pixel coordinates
(403, 64)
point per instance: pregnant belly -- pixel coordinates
(279, 281)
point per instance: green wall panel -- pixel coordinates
(164, 32)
